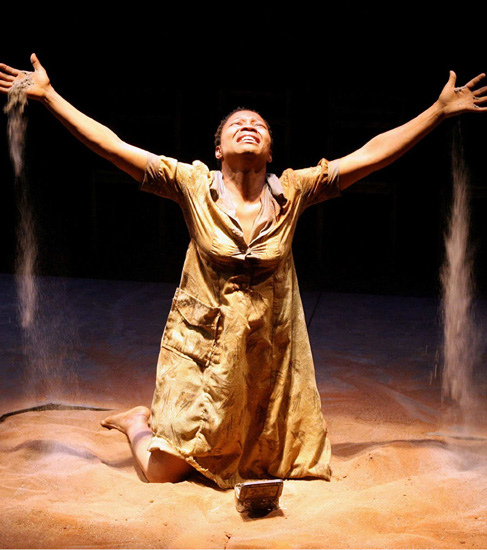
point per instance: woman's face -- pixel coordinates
(245, 134)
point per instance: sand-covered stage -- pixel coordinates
(402, 477)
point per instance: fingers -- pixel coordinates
(7, 72)
(470, 85)
(479, 95)
(480, 91)
(478, 101)
(35, 61)
(7, 76)
(452, 78)
(472, 99)
(11, 71)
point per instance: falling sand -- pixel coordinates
(46, 332)
(26, 243)
(461, 332)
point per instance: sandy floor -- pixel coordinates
(403, 477)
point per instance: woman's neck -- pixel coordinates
(246, 185)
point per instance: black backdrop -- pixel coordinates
(327, 80)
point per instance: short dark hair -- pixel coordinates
(218, 133)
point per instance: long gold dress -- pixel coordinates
(236, 393)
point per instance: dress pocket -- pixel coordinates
(191, 328)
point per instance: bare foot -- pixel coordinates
(124, 420)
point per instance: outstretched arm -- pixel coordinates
(96, 136)
(389, 146)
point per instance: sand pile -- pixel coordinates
(400, 479)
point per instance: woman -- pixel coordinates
(235, 395)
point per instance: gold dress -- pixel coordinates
(236, 393)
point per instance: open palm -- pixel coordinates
(468, 98)
(38, 81)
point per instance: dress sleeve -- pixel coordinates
(320, 182)
(160, 177)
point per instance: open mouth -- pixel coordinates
(248, 138)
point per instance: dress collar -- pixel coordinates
(218, 189)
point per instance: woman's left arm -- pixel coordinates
(385, 148)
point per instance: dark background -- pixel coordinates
(326, 79)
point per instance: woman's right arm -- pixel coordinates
(94, 135)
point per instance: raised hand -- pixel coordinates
(456, 100)
(36, 83)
